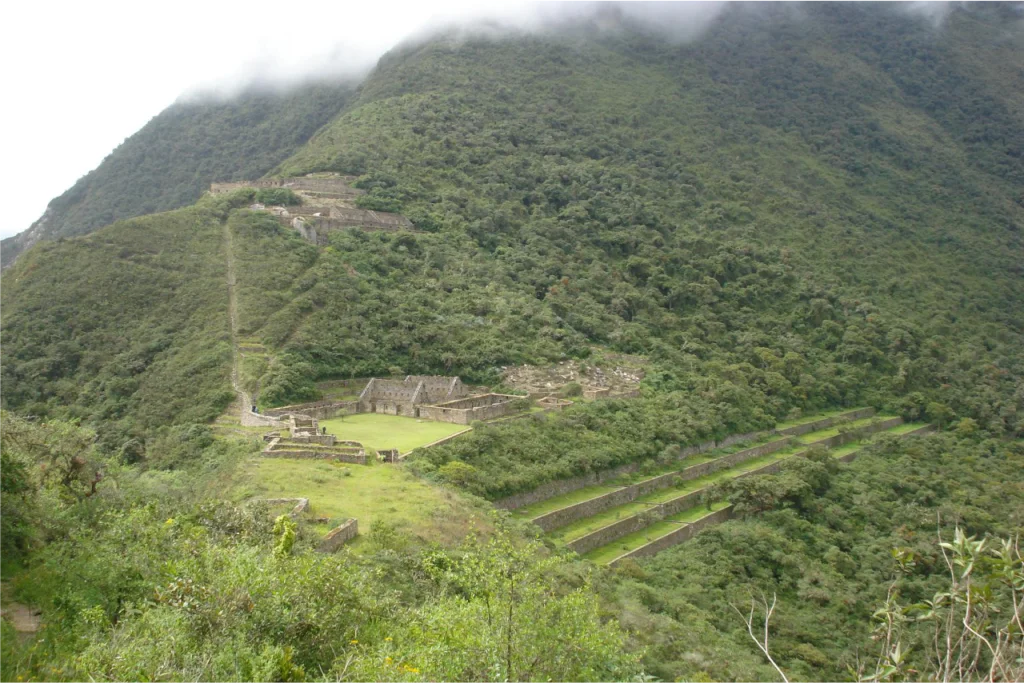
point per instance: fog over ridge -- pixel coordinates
(349, 43)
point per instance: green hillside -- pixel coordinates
(126, 329)
(173, 159)
(805, 210)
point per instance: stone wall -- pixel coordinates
(321, 410)
(825, 422)
(607, 534)
(627, 494)
(463, 411)
(301, 504)
(388, 455)
(684, 533)
(333, 187)
(224, 188)
(550, 403)
(339, 536)
(610, 533)
(316, 228)
(596, 392)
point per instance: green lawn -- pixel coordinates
(565, 500)
(367, 492)
(389, 431)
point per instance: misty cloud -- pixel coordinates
(346, 40)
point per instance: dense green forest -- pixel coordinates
(125, 329)
(173, 159)
(802, 209)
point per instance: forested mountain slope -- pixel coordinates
(173, 159)
(798, 209)
(126, 328)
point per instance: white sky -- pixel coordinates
(81, 76)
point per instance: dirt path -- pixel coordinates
(25, 620)
(246, 416)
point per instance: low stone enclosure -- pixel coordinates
(553, 403)
(335, 538)
(463, 411)
(339, 536)
(306, 441)
(301, 504)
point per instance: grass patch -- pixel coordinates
(565, 500)
(389, 431)
(370, 493)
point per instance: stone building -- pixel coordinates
(463, 411)
(404, 397)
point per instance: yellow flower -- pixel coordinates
(388, 638)
(353, 642)
(170, 520)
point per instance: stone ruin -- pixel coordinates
(389, 455)
(328, 207)
(463, 411)
(553, 403)
(339, 536)
(442, 399)
(336, 187)
(405, 397)
(305, 440)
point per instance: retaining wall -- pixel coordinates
(301, 504)
(688, 531)
(339, 536)
(684, 533)
(607, 534)
(627, 494)
(806, 428)
(351, 458)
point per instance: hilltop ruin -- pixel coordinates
(327, 206)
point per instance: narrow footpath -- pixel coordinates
(26, 620)
(246, 417)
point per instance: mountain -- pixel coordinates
(173, 159)
(803, 210)
(798, 209)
